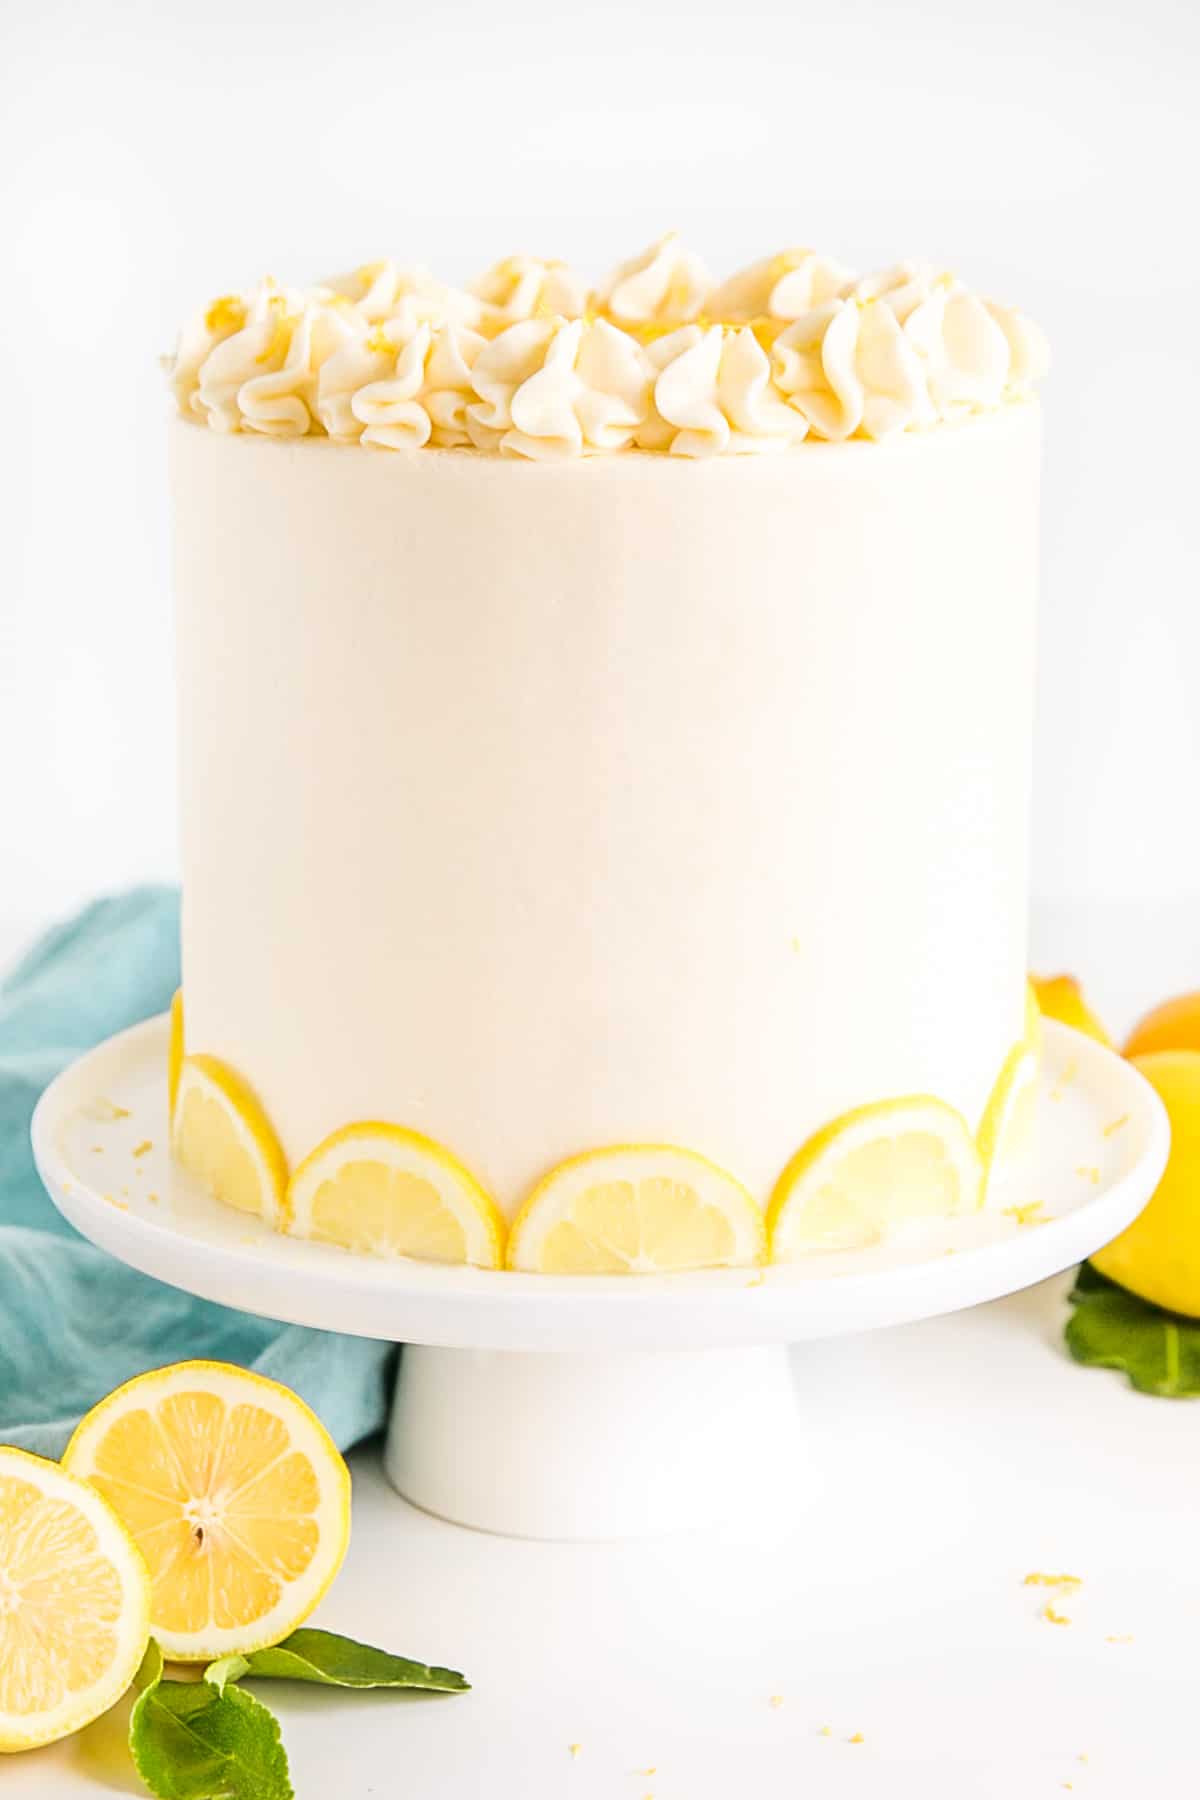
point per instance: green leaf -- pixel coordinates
(191, 1740)
(333, 1661)
(224, 1673)
(1111, 1328)
(150, 1669)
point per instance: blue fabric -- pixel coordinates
(74, 1323)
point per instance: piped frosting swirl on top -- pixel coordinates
(528, 361)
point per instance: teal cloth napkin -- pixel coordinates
(74, 1323)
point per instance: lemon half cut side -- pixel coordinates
(234, 1493)
(74, 1603)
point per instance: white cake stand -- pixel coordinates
(595, 1407)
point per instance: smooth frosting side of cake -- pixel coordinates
(542, 807)
(529, 362)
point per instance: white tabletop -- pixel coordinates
(946, 1461)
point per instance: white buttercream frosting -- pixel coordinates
(713, 395)
(524, 287)
(778, 287)
(665, 286)
(527, 362)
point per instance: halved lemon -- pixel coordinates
(174, 1052)
(636, 1209)
(74, 1603)
(221, 1134)
(871, 1170)
(1007, 1127)
(391, 1192)
(233, 1491)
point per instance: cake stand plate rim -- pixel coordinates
(189, 1242)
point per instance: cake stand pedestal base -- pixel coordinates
(546, 1444)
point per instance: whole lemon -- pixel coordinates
(1158, 1256)
(1175, 1025)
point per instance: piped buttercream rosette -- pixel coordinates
(527, 362)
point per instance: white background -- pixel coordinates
(152, 155)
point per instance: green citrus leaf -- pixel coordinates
(1111, 1328)
(334, 1661)
(193, 1741)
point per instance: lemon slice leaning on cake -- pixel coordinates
(174, 1053)
(636, 1209)
(234, 1493)
(392, 1192)
(74, 1603)
(221, 1134)
(1007, 1126)
(871, 1170)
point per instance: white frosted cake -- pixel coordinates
(605, 724)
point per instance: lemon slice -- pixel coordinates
(1007, 1127)
(174, 1052)
(233, 1491)
(636, 1209)
(74, 1603)
(391, 1192)
(222, 1136)
(871, 1170)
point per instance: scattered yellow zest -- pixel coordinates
(858, 1738)
(825, 1731)
(1027, 1214)
(121, 1205)
(1120, 1637)
(1089, 1172)
(1066, 1584)
(575, 1750)
(776, 1701)
(1066, 1077)
(225, 315)
(796, 945)
(1054, 1618)
(143, 1148)
(104, 1112)
(97, 1149)
(153, 1199)
(1115, 1125)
